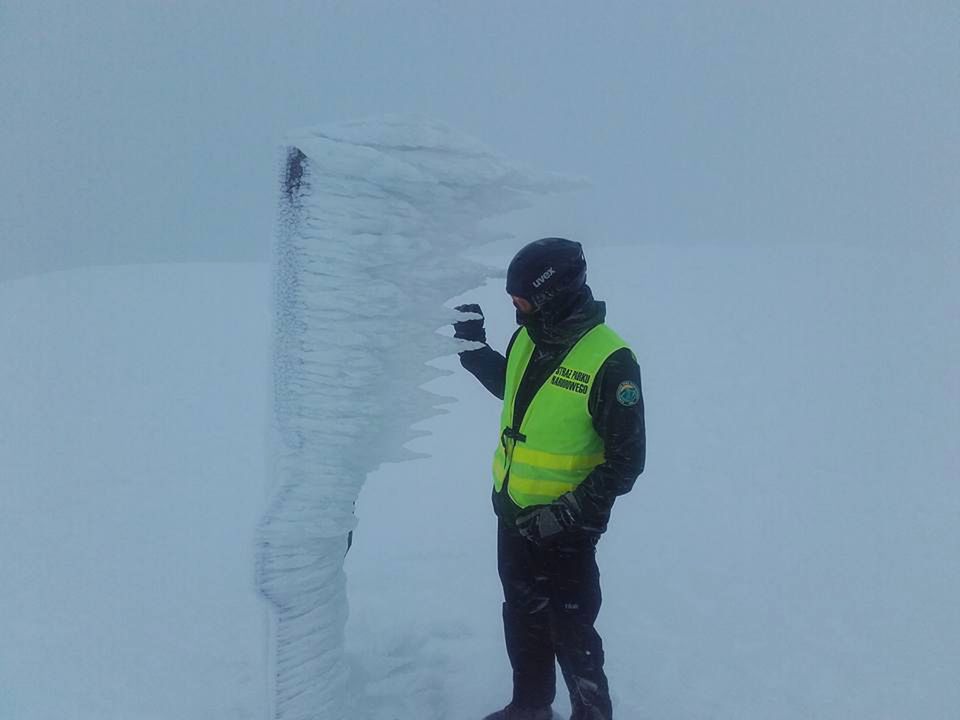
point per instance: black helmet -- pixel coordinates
(547, 269)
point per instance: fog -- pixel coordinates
(148, 131)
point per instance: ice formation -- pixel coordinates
(374, 218)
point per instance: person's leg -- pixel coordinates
(526, 619)
(574, 605)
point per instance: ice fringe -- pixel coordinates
(373, 218)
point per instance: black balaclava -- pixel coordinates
(551, 274)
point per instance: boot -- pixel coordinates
(513, 712)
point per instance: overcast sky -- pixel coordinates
(145, 131)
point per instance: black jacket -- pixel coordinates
(620, 425)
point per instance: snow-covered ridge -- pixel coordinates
(374, 217)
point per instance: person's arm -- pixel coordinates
(488, 366)
(617, 409)
(484, 363)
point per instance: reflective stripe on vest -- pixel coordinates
(556, 446)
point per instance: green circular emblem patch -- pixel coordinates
(628, 393)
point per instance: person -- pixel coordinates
(572, 439)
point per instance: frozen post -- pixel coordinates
(374, 216)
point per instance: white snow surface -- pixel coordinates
(790, 551)
(131, 468)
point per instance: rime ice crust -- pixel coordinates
(373, 218)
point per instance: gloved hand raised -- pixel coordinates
(470, 329)
(545, 524)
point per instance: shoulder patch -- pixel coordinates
(628, 394)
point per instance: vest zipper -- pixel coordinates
(514, 432)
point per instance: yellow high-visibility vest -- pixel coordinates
(556, 446)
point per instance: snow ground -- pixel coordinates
(790, 551)
(131, 467)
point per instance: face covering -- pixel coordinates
(524, 318)
(564, 320)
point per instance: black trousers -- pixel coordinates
(552, 599)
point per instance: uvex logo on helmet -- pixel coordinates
(547, 274)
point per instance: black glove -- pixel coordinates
(544, 524)
(470, 329)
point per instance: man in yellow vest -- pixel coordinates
(571, 441)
